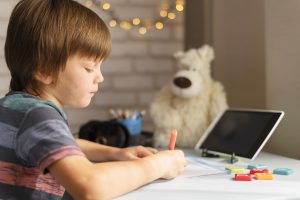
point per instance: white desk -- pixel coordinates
(223, 187)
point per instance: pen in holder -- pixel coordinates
(131, 120)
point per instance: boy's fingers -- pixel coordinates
(130, 156)
(146, 152)
(133, 157)
(152, 150)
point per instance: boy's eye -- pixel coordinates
(89, 70)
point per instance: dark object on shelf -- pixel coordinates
(110, 133)
(113, 133)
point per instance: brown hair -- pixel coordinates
(43, 34)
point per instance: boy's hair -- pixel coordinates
(43, 34)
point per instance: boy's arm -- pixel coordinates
(99, 153)
(84, 180)
(95, 151)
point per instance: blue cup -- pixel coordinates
(134, 126)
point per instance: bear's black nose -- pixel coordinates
(182, 82)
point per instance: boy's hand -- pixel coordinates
(172, 163)
(135, 152)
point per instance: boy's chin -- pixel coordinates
(82, 104)
(85, 105)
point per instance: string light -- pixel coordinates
(105, 6)
(112, 23)
(167, 12)
(142, 30)
(179, 7)
(171, 15)
(125, 25)
(159, 25)
(163, 13)
(136, 21)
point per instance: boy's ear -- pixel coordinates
(45, 79)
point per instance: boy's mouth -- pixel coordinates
(92, 93)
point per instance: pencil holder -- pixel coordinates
(134, 126)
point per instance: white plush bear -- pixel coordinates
(190, 102)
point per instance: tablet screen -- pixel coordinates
(243, 132)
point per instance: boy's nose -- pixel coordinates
(99, 78)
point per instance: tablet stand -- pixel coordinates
(205, 153)
(233, 159)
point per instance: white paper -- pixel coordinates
(196, 167)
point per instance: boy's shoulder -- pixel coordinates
(25, 103)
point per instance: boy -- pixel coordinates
(54, 50)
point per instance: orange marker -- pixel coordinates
(173, 139)
(263, 176)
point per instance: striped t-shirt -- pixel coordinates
(33, 134)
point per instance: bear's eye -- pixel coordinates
(185, 66)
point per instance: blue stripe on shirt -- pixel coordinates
(39, 115)
(43, 137)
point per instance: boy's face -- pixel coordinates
(77, 84)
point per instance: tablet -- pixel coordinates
(243, 132)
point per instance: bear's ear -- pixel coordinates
(178, 54)
(207, 53)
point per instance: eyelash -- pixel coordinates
(89, 70)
